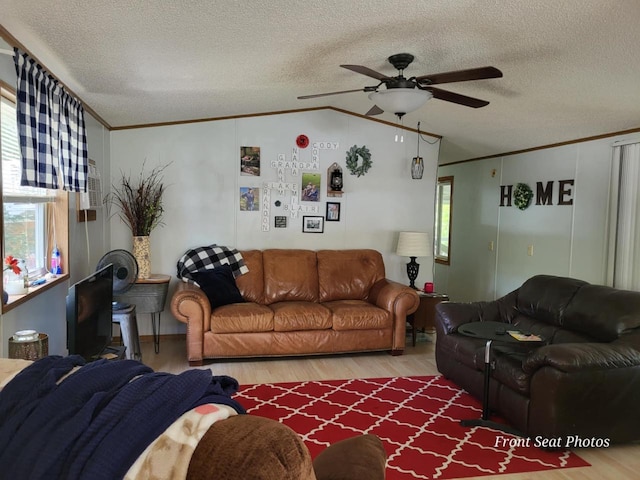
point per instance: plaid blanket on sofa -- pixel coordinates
(207, 258)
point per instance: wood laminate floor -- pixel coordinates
(620, 462)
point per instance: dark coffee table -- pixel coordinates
(492, 332)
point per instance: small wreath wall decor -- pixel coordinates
(352, 160)
(302, 141)
(522, 196)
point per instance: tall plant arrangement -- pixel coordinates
(139, 201)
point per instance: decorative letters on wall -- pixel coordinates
(522, 195)
(295, 166)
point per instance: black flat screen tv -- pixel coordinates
(89, 314)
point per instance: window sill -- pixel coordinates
(15, 300)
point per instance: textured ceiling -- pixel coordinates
(571, 67)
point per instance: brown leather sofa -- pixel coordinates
(299, 302)
(583, 384)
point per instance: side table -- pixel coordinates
(149, 296)
(424, 316)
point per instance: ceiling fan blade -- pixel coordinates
(366, 71)
(375, 110)
(304, 97)
(448, 96)
(460, 76)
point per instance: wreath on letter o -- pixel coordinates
(522, 196)
(352, 160)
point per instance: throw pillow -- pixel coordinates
(219, 286)
(251, 448)
(356, 458)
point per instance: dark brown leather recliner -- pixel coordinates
(584, 383)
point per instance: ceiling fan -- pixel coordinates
(403, 95)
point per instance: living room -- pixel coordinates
(494, 248)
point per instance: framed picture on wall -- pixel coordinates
(312, 224)
(250, 161)
(249, 199)
(310, 187)
(280, 221)
(333, 212)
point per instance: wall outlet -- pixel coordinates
(491, 246)
(530, 250)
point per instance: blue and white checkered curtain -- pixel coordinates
(51, 126)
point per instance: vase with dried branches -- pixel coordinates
(139, 203)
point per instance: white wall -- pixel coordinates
(567, 240)
(202, 199)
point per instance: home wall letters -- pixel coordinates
(543, 193)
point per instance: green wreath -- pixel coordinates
(352, 160)
(522, 196)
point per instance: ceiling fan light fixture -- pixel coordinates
(400, 100)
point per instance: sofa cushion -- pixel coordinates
(508, 366)
(251, 284)
(602, 312)
(242, 318)
(545, 297)
(290, 275)
(292, 316)
(358, 315)
(466, 350)
(219, 286)
(348, 274)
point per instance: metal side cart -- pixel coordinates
(149, 296)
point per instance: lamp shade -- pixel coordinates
(414, 244)
(400, 100)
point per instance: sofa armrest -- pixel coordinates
(399, 300)
(573, 357)
(190, 305)
(450, 315)
(394, 297)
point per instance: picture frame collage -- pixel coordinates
(250, 198)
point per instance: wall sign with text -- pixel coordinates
(550, 193)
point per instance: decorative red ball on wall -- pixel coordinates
(302, 141)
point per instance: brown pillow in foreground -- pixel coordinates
(356, 458)
(257, 448)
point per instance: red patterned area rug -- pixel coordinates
(417, 419)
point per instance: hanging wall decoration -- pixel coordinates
(250, 161)
(310, 191)
(302, 141)
(522, 196)
(334, 180)
(249, 199)
(353, 155)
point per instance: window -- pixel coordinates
(444, 207)
(24, 208)
(30, 215)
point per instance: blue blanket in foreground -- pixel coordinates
(95, 423)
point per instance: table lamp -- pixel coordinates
(412, 245)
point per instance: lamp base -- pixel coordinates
(412, 271)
